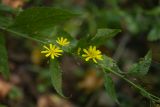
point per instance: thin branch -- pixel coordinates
(143, 91)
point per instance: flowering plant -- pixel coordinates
(60, 42)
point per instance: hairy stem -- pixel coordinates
(142, 90)
(20, 34)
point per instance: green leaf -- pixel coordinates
(155, 11)
(110, 88)
(56, 76)
(131, 23)
(103, 35)
(33, 22)
(5, 21)
(109, 64)
(154, 34)
(15, 93)
(84, 41)
(141, 68)
(5, 8)
(100, 37)
(4, 69)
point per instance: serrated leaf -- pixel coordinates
(109, 64)
(110, 88)
(4, 69)
(40, 18)
(103, 35)
(33, 22)
(56, 76)
(141, 68)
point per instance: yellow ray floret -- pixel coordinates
(62, 41)
(92, 53)
(52, 51)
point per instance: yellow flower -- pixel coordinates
(52, 51)
(62, 41)
(92, 53)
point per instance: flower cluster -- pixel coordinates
(54, 51)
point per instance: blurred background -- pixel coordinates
(30, 85)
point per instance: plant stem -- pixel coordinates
(142, 90)
(20, 34)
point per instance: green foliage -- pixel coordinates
(4, 20)
(40, 24)
(43, 24)
(2, 105)
(33, 22)
(103, 35)
(84, 41)
(109, 64)
(56, 76)
(131, 23)
(141, 68)
(99, 38)
(155, 11)
(109, 86)
(3, 58)
(4, 8)
(39, 18)
(154, 34)
(73, 41)
(15, 93)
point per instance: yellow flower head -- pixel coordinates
(92, 53)
(62, 41)
(52, 51)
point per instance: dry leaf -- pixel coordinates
(5, 87)
(157, 105)
(14, 3)
(91, 81)
(36, 56)
(53, 101)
